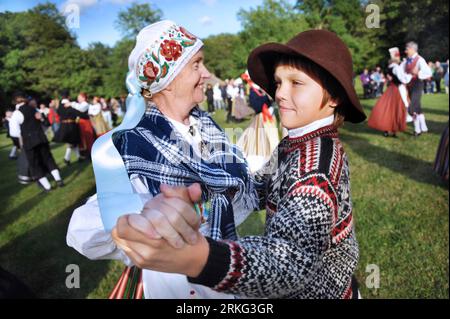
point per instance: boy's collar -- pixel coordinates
(300, 131)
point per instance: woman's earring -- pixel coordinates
(147, 94)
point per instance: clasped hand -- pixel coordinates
(165, 236)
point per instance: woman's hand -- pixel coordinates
(158, 254)
(170, 215)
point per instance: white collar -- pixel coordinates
(19, 105)
(183, 128)
(300, 131)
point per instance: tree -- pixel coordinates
(276, 21)
(136, 17)
(115, 73)
(222, 55)
(424, 21)
(31, 43)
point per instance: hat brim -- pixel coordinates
(261, 68)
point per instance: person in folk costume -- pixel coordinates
(389, 113)
(261, 137)
(116, 112)
(122, 104)
(87, 134)
(309, 249)
(174, 143)
(403, 79)
(96, 117)
(224, 95)
(35, 144)
(365, 81)
(69, 131)
(23, 168)
(217, 97)
(241, 110)
(45, 122)
(404, 94)
(15, 140)
(230, 92)
(106, 113)
(417, 70)
(53, 116)
(210, 98)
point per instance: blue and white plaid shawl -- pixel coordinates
(156, 151)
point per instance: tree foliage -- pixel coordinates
(40, 56)
(136, 17)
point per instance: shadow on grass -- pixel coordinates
(427, 110)
(40, 256)
(11, 187)
(411, 167)
(436, 127)
(20, 210)
(8, 146)
(68, 172)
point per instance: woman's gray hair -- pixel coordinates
(412, 44)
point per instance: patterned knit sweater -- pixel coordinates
(309, 249)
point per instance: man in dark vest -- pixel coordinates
(418, 70)
(35, 143)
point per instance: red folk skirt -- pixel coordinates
(389, 113)
(86, 135)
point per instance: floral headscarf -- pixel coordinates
(162, 50)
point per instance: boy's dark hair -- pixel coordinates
(332, 89)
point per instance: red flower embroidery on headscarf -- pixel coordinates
(187, 34)
(171, 50)
(150, 71)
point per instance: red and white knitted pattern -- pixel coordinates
(309, 249)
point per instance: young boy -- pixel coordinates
(309, 249)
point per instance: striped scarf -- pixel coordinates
(156, 151)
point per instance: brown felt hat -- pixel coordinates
(320, 46)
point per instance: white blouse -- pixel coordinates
(82, 107)
(94, 109)
(424, 70)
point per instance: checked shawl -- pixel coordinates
(156, 151)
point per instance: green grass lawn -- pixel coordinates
(400, 208)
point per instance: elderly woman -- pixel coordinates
(173, 143)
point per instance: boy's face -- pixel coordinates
(299, 98)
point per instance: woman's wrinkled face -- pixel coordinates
(189, 83)
(299, 98)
